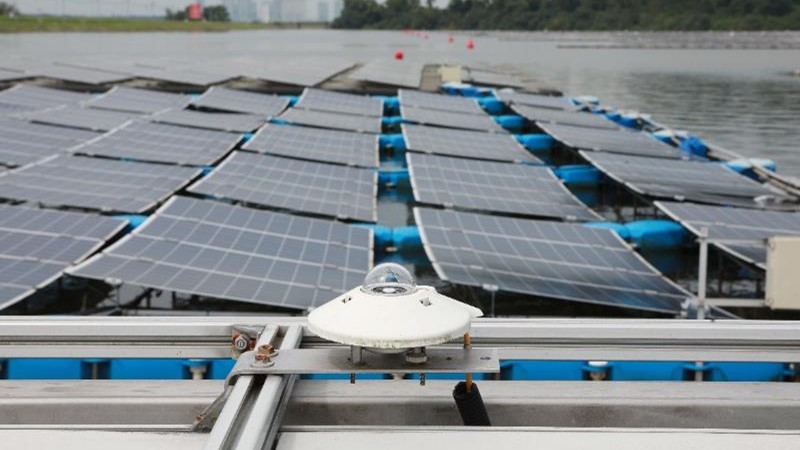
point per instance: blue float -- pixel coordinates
(578, 175)
(134, 220)
(393, 141)
(745, 166)
(407, 238)
(694, 146)
(541, 370)
(391, 105)
(536, 142)
(656, 234)
(293, 99)
(511, 122)
(492, 105)
(618, 228)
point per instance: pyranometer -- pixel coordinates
(389, 313)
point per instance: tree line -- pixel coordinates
(573, 15)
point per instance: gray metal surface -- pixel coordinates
(331, 146)
(490, 78)
(707, 182)
(24, 142)
(535, 100)
(73, 116)
(536, 339)
(142, 101)
(231, 122)
(337, 360)
(233, 100)
(555, 260)
(443, 102)
(332, 120)
(390, 72)
(340, 103)
(96, 184)
(289, 184)
(31, 98)
(36, 245)
(555, 116)
(735, 224)
(449, 119)
(517, 189)
(612, 141)
(230, 252)
(465, 144)
(154, 142)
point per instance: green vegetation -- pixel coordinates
(574, 15)
(28, 24)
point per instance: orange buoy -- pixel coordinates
(470, 44)
(398, 54)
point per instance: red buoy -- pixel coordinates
(398, 54)
(450, 39)
(470, 44)
(425, 35)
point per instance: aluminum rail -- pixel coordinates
(546, 339)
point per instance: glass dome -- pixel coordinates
(389, 279)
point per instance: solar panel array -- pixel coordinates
(73, 116)
(518, 189)
(288, 184)
(548, 259)
(331, 146)
(335, 121)
(418, 99)
(234, 123)
(536, 100)
(180, 75)
(11, 75)
(37, 245)
(339, 102)
(232, 100)
(613, 141)
(447, 119)
(24, 142)
(574, 118)
(77, 74)
(96, 184)
(390, 72)
(212, 249)
(31, 98)
(465, 144)
(140, 101)
(297, 72)
(678, 179)
(489, 78)
(154, 142)
(735, 224)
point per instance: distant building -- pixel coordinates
(284, 10)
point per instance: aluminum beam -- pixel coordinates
(546, 339)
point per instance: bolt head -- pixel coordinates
(241, 343)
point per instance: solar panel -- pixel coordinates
(548, 259)
(679, 180)
(465, 144)
(442, 102)
(212, 249)
(297, 72)
(232, 100)
(36, 245)
(537, 101)
(75, 74)
(574, 118)
(735, 224)
(613, 141)
(154, 142)
(74, 116)
(11, 75)
(24, 142)
(447, 119)
(138, 100)
(180, 75)
(518, 189)
(335, 121)
(390, 72)
(332, 146)
(96, 184)
(31, 98)
(339, 102)
(289, 184)
(493, 79)
(231, 122)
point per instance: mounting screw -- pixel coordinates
(241, 342)
(264, 353)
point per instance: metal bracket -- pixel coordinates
(335, 360)
(243, 338)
